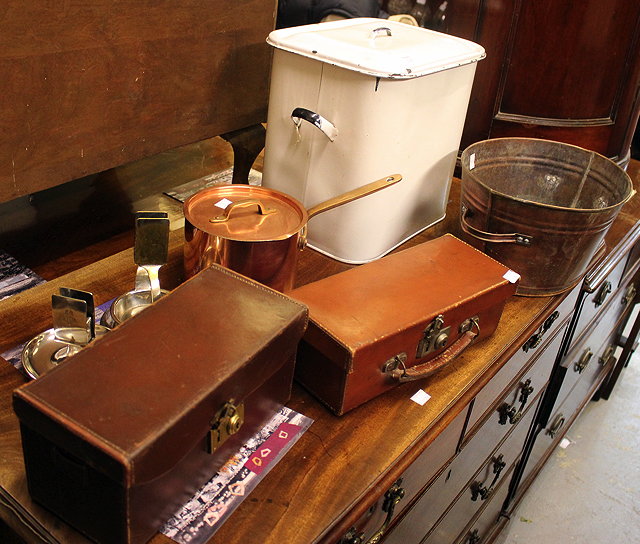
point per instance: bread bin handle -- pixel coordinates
(327, 127)
(380, 31)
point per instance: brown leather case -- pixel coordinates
(399, 318)
(115, 439)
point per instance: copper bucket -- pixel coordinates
(540, 207)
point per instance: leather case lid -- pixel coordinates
(144, 395)
(371, 302)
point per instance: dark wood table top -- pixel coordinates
(317, 489)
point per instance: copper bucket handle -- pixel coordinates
(493, 237)
(224, 216)
(350, 196)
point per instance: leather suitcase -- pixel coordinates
(396, 319)
(118, 437)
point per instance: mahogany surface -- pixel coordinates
(90, 85)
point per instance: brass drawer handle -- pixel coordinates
(536, 339)
(474, 537)
(353, 536)
(556, 426)
(629, 294)
(482, 492)
(607, 356)
(509, 412)
(602, 294)
(583, 362)
(391, 498)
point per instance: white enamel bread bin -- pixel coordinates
(354, 100)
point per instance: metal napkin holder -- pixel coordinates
(151, 251)
(74, 326)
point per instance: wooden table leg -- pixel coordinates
(247, 143)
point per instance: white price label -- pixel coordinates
(421, 397)
(511, 276)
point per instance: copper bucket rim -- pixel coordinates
(629, 190)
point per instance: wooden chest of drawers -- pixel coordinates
(392, 470)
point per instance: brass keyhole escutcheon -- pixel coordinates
(227, 422)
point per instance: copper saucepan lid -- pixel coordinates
(257, 214)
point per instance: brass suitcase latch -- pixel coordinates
(226, 422)
(435, 336)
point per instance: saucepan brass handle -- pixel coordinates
(396, 369)
(224, 216)
(354, 194)
(493, 237)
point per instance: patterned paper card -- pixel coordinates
(15, 277)
(207, 510)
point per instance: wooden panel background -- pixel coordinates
(91, 84)
(563, 71)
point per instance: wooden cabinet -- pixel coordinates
(567, 71)
(87, 86)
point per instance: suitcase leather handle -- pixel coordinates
(403, 374)
(493, 237)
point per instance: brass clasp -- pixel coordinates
(435, 336)
(226, 422)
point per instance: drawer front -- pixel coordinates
(493, 474)
(595, 302)
(488, 517)
(565, 411)
(383, 513)
(419, 519)
(530, 348)
(633, 259)
(515, 397)
(585, 358)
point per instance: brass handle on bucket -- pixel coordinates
(350, 196)
(224, 216)
(493, 237)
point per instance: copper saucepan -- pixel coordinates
(254, 230)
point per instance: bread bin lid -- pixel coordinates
(378, 47)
